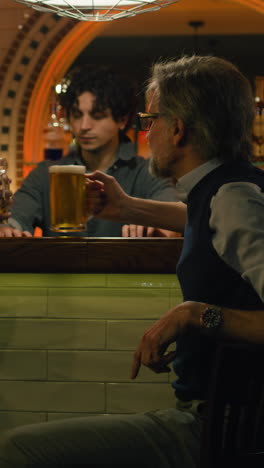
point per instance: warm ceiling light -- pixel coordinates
(97, 10)
(257, 5)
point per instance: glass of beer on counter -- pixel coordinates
(67, 198)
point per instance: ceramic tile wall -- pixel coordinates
(67, 341)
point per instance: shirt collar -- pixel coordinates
(186, 183)
(126, 152)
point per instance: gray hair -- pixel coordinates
(212, 98)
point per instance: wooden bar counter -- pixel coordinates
(89, 255)
(71, 314)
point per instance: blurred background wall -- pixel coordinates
(37, 49)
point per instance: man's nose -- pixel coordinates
(86, 122)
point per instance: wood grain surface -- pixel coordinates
(89, 255)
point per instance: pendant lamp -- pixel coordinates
(97, 10)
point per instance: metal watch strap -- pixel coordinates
(211, 317)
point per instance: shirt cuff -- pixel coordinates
(13, 223)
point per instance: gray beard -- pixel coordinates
(160, 172)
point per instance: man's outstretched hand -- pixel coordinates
(105, 197)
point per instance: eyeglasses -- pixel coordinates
(145, 120)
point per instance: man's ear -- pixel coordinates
(122, 121)
(179, 132)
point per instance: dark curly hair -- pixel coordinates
(111, 89)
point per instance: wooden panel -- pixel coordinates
(133, 255)
(89, 255)
(42, 255)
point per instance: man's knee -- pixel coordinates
(11, 454)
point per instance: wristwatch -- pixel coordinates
(211, 317)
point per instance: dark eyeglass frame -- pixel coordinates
(144, 120)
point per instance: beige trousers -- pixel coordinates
(158, 439)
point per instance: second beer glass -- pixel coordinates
(67, 198)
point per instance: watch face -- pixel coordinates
(212, 317)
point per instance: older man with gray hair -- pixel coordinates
(199, 122)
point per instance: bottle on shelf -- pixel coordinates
(67, 134)
(258, 132)
(258, 125)
(53, 133)
(4, 188)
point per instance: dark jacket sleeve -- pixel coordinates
(30, 207)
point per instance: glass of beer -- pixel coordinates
(67, 198)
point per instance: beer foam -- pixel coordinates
(69, 169)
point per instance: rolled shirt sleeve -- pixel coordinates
(237, 219)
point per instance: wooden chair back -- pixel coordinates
(233, 434)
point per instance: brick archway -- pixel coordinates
(39, 57)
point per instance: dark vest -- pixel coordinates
(204, 277)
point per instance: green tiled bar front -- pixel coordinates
(67, 341)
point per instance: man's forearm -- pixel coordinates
(107, 200)
(166, 215)
(245, 325)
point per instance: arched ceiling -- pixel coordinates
(219, 16)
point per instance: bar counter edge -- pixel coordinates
(89, 255)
